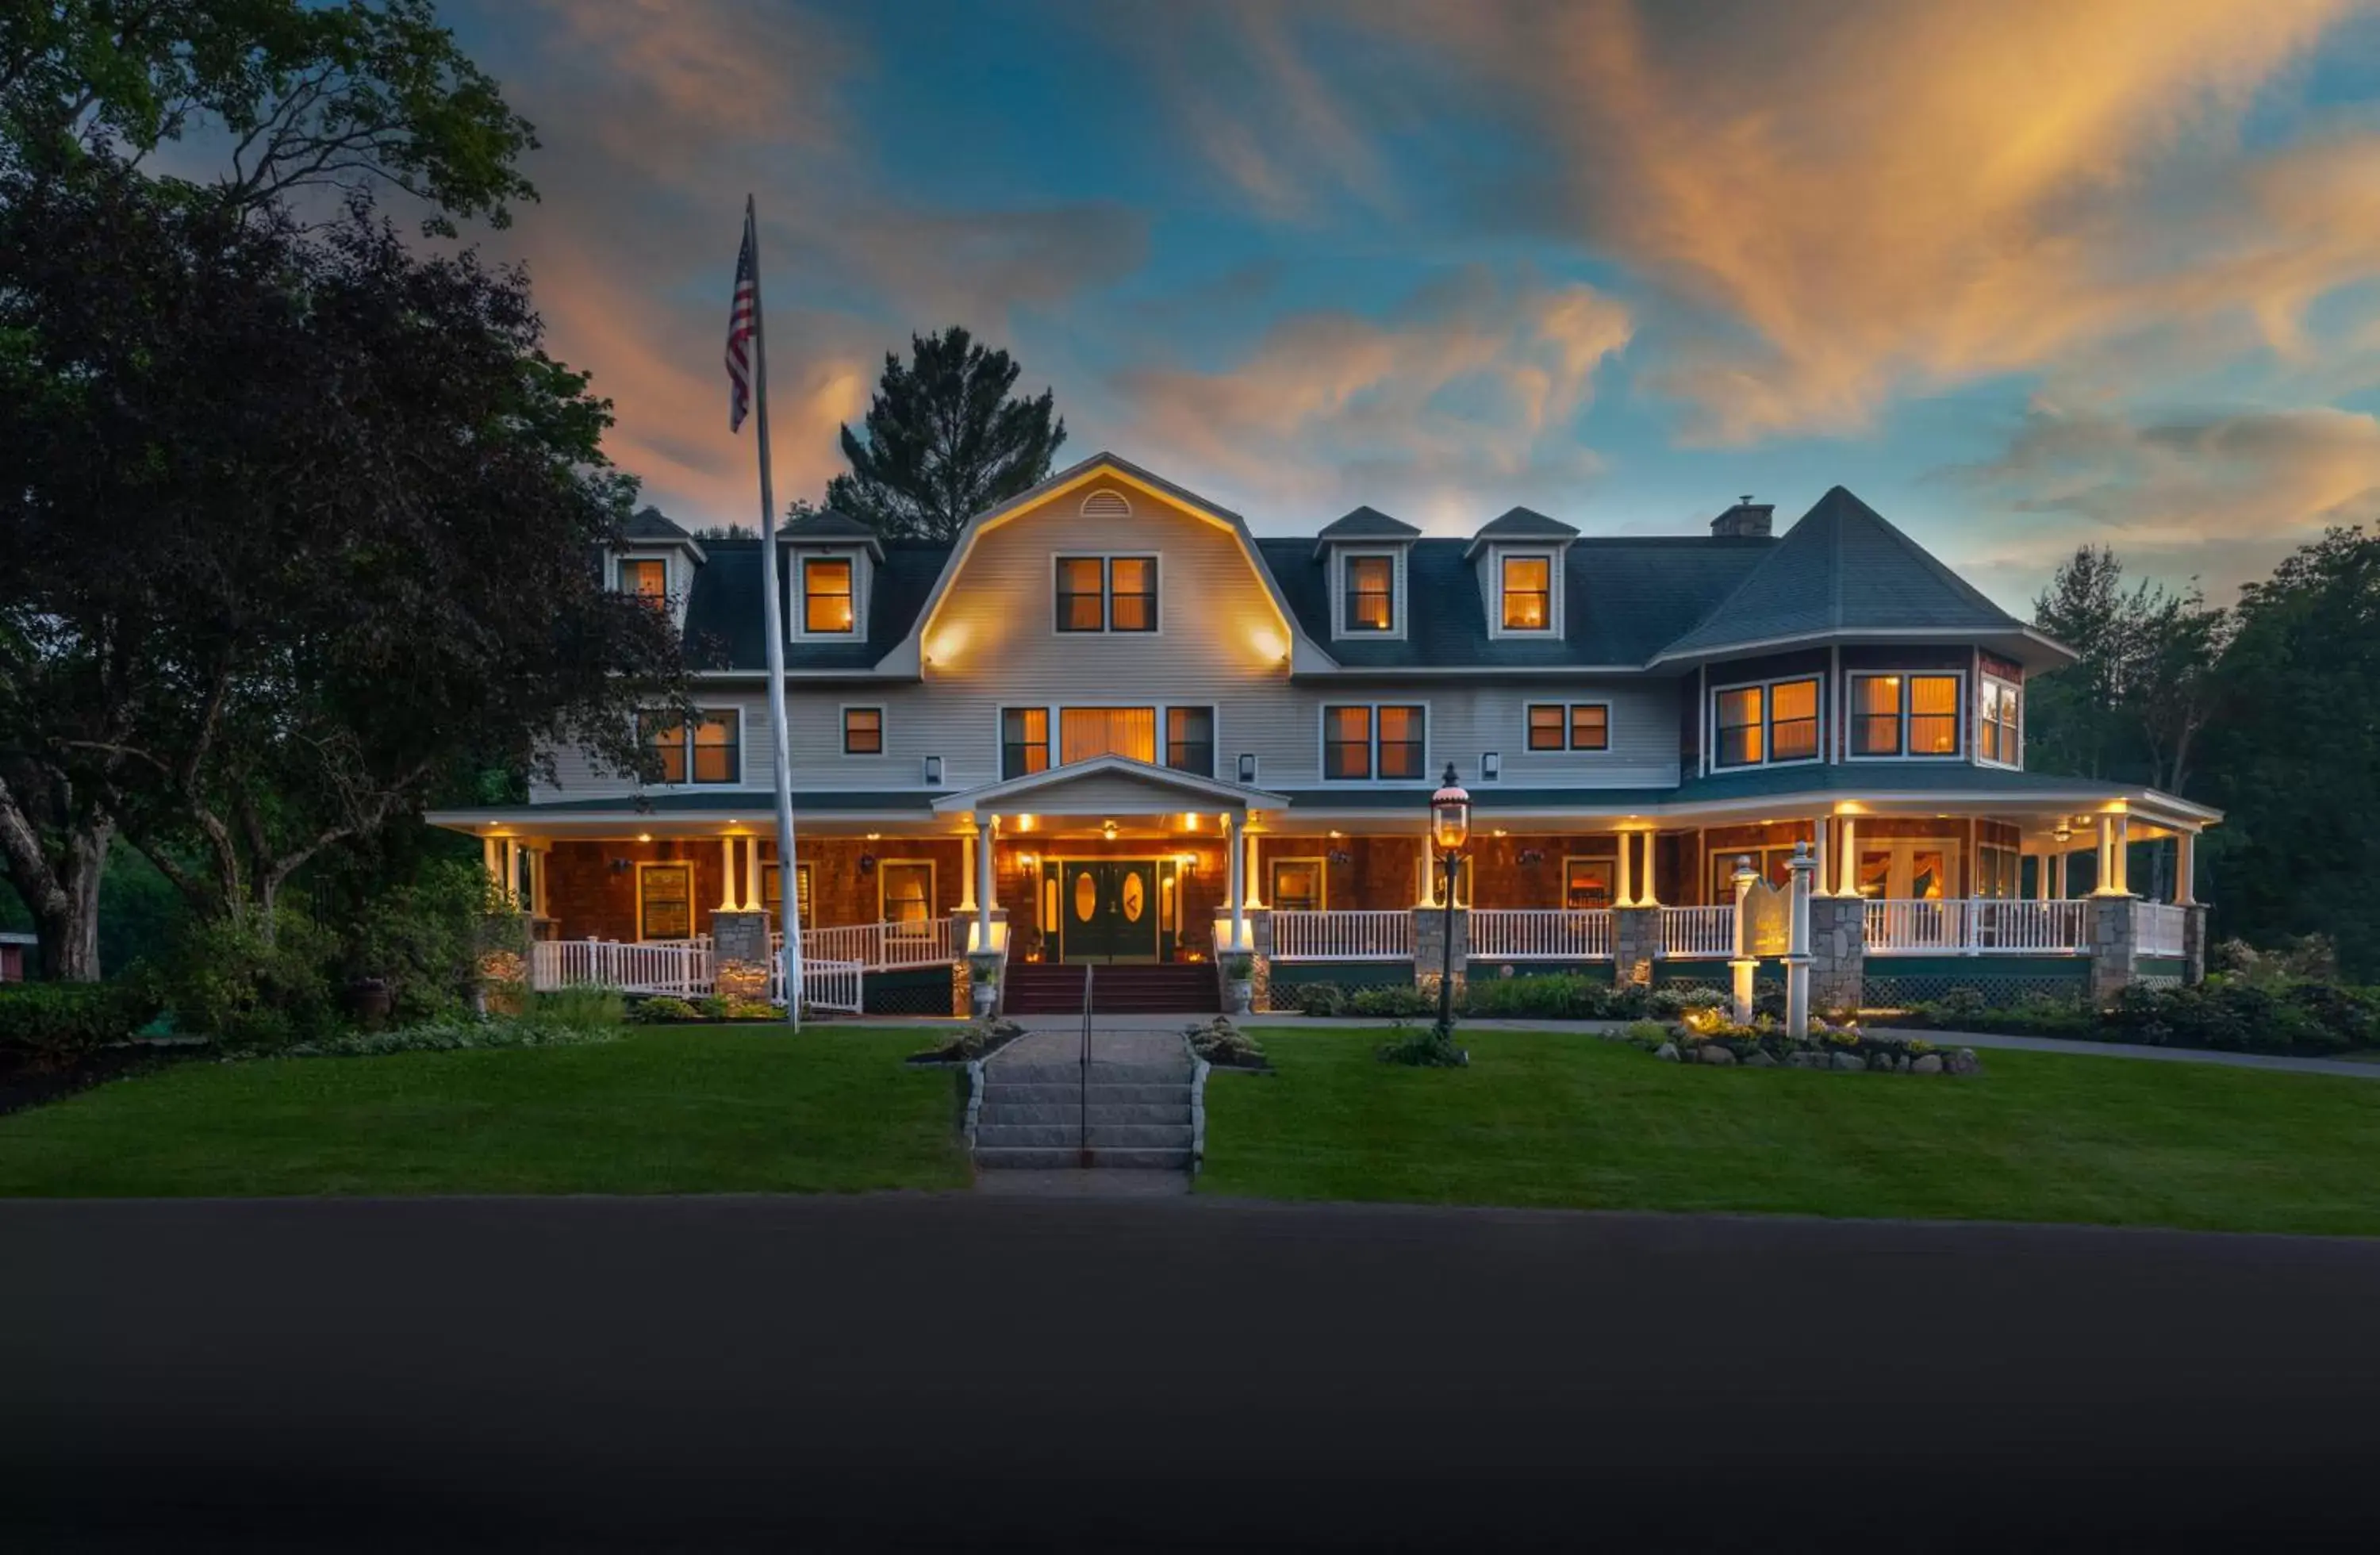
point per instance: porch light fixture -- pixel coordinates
(2064, 832)
(1108, 830)
(1449, 824)
(644, 836)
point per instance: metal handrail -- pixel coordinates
(1082, 1088)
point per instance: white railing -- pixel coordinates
(1540, 934)
(1979, 926)
(2161, 929)
(1301, 935)
(630, 966)
(1699, 931)
(826, 985)
(878, 946)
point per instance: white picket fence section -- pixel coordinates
(680, 969)
(826, 985)
(881, 946)
(1699, 931)
(2161, 929)
(1540, 934)
(1305, 935)
(1978, 926)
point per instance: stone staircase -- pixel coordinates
(1033, 1113)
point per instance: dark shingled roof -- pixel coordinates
(827, 524)
(1625, 599)
(1367, 523)
(1842, 569)
(1520, 523)
(723, 615)
(652, 524)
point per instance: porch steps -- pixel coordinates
(1044, 989)
(1035, 1114)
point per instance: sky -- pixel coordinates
(2024, 274)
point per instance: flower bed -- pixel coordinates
(1708, 1036)
(976, 1040)
(664, 1009)
(1226, 1046)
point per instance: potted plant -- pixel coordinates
(983, 983)
(1239, 968)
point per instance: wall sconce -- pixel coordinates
(1188, 861)
(1247, 766)
(1341, 855)
(1533, 855)
(1491, 765)
(622, 866)
(933, 771)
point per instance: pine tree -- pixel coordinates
(944, 440)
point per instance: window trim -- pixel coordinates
(669, 574)
(693, 890)
(1322, 879)
(1959, 715)
(1165, 712)
(1372, 740)
(1767, 685)
(1503, 557)
(1344, 624)
(884, 868)
(1984, 682)
(1107, 627)
(803, 561)
(686, 743)
(1000, 738)
(843, 717)
(1610, 864)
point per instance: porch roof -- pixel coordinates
(1109, 783)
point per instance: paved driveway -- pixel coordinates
(826, 1372)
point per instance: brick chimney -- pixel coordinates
(1746, 520)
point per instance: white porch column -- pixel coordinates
(726, 874)
(1821, 875)
(2058, 866)
(1253, 875)
(1238, 884)
(752, 897)
(1648, 884)
(987, 828)
(966, 869)
(2041, 876)
(1627, 896)
(2185, 867)
(1428, 897)
(1847, 870)
(2105, 884)
(2122, 847)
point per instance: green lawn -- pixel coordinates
(687, 1111)
(1569, 1120)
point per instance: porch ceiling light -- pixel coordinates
(1450, 814)
(1108, 830)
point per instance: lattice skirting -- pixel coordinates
(907, 993)
(2000, 990)
(1287, 975)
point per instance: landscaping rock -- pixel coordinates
(1964, 1062)
(1760, 1061)
(1667, 1051)
(1711, 1052)
(1881, 1062)
(1930, 1064)
(1847, 1062)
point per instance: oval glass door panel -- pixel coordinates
(1135, 897)
(1087, 896)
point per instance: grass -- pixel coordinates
(662, 1111)
(1569, 1120)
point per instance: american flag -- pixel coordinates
(742, 317)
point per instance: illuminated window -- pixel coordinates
(1190, 740)
(908, 891)
(772, 893)
(1739, 742)
(1371, 589)
(1586, 884)
(1876, 715)
(1401, 742)
(1577, 726)
(1528, 593)
(863, 731)
(2000, 723)
(1905, 715)
(711, 755)
(1024, 741)
(1590, 726)
(1087, 733)
(826, 595)
(646, 580)
(1793, 720)
(1546, 726)
(664, 901)
(1298, 885)
(1934, 715)
(1347, 741)
(1107, 593)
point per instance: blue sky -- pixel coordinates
(2022, 274)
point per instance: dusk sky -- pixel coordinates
(2022, 274)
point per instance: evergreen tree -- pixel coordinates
(944, 440)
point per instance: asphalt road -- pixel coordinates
(829, 1373)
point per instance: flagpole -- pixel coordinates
(773, 624)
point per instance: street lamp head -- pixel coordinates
(1450, 814)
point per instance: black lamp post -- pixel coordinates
(1449, 826)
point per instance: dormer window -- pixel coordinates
(646, 577)
(1371, 590)
(827, 596)
(1528, 594)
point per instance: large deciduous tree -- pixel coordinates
(304, 522)
(945, 440)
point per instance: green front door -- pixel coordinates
(1109, 909)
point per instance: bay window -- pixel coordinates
(1739, 722)
(1905, 715)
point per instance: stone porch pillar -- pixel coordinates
(1635, 945)
(1432, 929)
(1838, 953)
(2115, 929)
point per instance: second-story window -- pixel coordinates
(1904, 714)
(1739, 742)
(1371, 583)
(1107, 593)
(1574, 726)
(1528, 593)
(863, 731)
(709, 751)
(646, 577)
(826, 595)
(1190, 740)
(1024, 741)
(1362, 742)
(1087, 733)
(1347, 741)
(1793, 720)
(1774, 722)
(1999, 723)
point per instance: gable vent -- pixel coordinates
(1106, 504)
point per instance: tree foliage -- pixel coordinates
(306, 522)
(945, 440)
(353, 96)
(2143, 687)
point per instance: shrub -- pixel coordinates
(454, 1035)
(1312, 999)
(581, 1009)
(663, 1007)
(1646, 1034)
(1238, 967)
(1555, 995)
(1962, 1004)
(424, 940)
(1396, 1000)
(1218, 1041)
(1678, 1001)
(228, 981)
(711, 1006)
(1429, 1046)
(64, 1020)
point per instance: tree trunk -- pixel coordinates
(70, 932)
